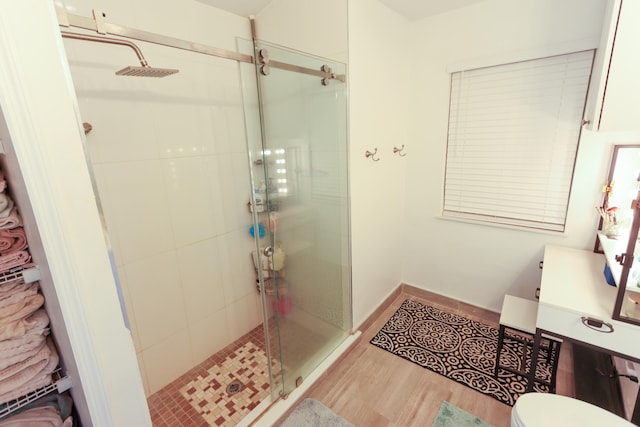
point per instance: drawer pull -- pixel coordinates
(597, 325)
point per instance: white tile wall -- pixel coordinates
(169, 156)
(201, 274)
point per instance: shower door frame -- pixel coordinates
(99, 25)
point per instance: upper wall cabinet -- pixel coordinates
(614, 94)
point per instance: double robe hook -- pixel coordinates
(373, 153)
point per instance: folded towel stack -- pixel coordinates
(53, 410)
(28, 356)
(13, 242)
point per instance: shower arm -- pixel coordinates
(88, 37)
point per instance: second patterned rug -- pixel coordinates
(458, 348)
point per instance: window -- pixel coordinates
(513, 138)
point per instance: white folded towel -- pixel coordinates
(4, 201)
(7, 209)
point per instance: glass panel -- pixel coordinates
(619, 225)
(302, 175)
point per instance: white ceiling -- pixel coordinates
(411, 9)
(418, 9)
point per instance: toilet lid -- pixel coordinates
(544, 409)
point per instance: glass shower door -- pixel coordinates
(300, 185)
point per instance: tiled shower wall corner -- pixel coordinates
(169, 156)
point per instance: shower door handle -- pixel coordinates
(268, 251)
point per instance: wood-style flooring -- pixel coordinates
(371, 387)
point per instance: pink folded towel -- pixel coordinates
(21, 309)
(12, 260)
(20, 349)
(12, 240)
(18, 293)
(9, 287)
(30, 374)
(43, 416)
(35, 323)
(11, 221)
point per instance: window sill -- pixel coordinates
(507, 226)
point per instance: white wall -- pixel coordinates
(38, 104)
(319, 28)
(476, 263)
(378, 118)
(169, 156)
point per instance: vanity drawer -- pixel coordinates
(616, 336)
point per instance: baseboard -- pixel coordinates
(375, 314)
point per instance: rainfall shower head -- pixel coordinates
(144, 70)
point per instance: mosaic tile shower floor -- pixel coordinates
(199, 398)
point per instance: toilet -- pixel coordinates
(544, 410)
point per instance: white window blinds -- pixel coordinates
(513, 138)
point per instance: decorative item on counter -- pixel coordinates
(611, 222)
(608, 275)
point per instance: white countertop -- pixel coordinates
(573, 279)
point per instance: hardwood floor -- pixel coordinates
(371, 387)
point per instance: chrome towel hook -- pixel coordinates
(368, 154)
(398, 151)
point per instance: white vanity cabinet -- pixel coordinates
(577, 303)
(614, 93)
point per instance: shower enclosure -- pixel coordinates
(188, 167)
(297, 135)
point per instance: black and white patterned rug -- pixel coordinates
(458, 348)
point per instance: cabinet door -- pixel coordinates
(615, 87)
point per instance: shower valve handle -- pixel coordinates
(268, 251)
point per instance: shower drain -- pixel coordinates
(234, 387)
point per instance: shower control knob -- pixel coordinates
(268, 251)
